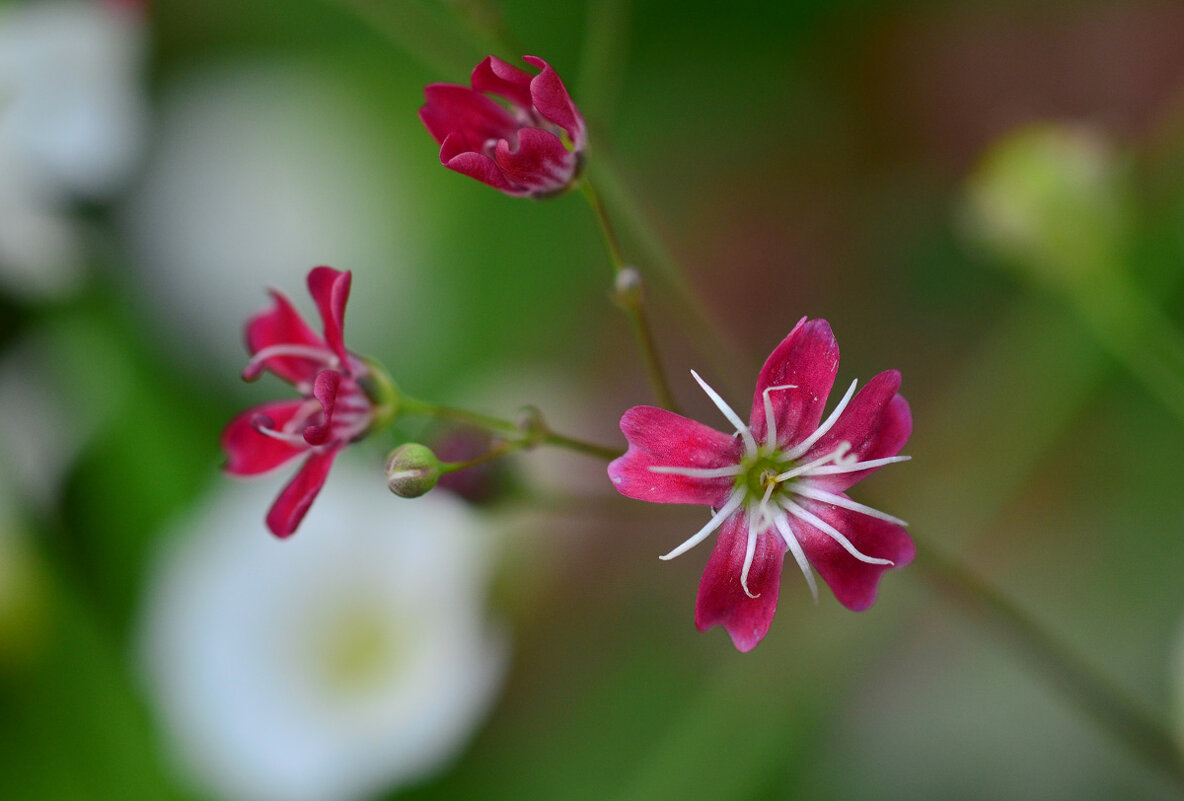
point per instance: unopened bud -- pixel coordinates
(1052, 200)
(412, 470)
(530, 421)
(629, 288)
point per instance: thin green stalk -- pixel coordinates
(536, 432)
(631, 300)
(1094, 695)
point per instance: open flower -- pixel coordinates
(533, 147)
(778, 483)
(335, 408)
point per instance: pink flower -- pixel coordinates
(334, 409)
(778, 483)
(533, 147)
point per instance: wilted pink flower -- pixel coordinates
(333, 411)
(778, 483)
(531, 146)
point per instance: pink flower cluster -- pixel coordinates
(775, 483)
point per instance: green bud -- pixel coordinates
(629, 288)
(412, 470)
(1051, 199)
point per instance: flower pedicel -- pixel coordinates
(778, 483)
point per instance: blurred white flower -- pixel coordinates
(349, 659)
(73, 119)
(264, 169)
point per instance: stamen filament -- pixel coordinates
(764, 507)
(699, 472)
(800, 449)
(296, 440)
(806, 516)
(836, 455)
(321, 355)
(733, 418)
(856, 466)
(749, 552)
(795, 547)
(733, 503)
(840, 500)
(770, 418)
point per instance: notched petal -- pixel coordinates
(502, 78)
(659, 438)
(808, 358)
(551, 99)
(722, 600)
(330, 290)
(295, 499)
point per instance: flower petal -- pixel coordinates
(324, 389)
(852, 581)
(658, 438)
(808, 359)
(550, 98)
(499, 77)
(476, 165)
(283, 325)
(540, 164)
(877, 423)
(722, 600)
(295, 499)
(330, 289)
(248, 452)
(453, 108)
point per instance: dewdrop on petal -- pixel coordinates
(412, 470)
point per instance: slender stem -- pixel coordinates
(536, 433)
(631, 300)
(1094, 695)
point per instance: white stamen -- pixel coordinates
(715, 522)
(839, 500)
(291, 439)
(699, 472)
(807, 516)
(854, 467)
(837, 455)
(733, 418)
(800, 449)
(766, 517)
(770, 418)
(322, 355)
(795, 547)
(749, 551)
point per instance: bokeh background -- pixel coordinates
(162, 163)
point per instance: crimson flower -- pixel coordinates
(334, 408)
(532, 146)
(778, 483)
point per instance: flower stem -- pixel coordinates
(630, 299)
(1109, 708)
(531, 432)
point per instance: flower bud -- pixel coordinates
(1051, 199)
(629, 289)
(412, 470)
